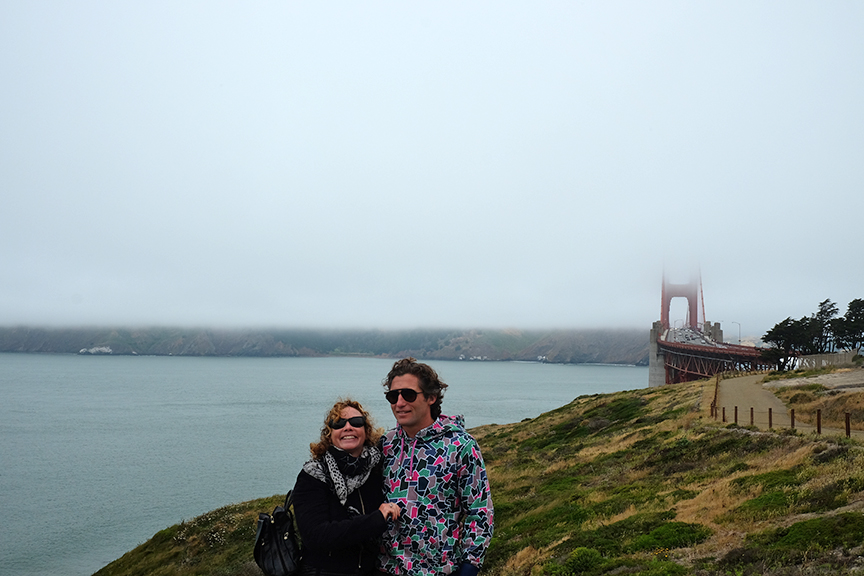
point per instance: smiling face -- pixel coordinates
(348, 438)
(416, 415)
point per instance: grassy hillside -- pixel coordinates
(638, 482)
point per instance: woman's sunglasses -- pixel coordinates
(355, 421)
(407, 393)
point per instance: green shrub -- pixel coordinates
(770, 480)
(671, 535)
(613, 539)
(582, 560)
(801, 398)
(621, 497)
(659, 568)
(811, 387)
(618, 410)
(823, 454)
(828, 497)
(765, 505)
(845, 530)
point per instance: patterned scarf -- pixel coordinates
(342, 472)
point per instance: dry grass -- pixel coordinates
(595, 523)
(723, 540)
(529, 558)
(559, 465)
(615, 443)
(714, 500)
(786, 456)
(523, 561)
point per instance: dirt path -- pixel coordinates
(746, 392)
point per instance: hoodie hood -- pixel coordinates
(442, 425)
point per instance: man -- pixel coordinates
(434, 471)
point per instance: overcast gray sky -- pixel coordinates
(392, 165)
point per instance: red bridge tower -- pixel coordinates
(692, 291)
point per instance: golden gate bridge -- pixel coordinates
(696, 350)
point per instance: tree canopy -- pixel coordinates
(849, 329)
(818, 333)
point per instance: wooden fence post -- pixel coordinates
(724, 414)
(714, 411)
(736, 415)
(818, 421)
(848, 426)
(792, 418)
(770, 419)
(751, 416)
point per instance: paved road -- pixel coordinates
(746, 392)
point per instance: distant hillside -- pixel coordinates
(561, 346)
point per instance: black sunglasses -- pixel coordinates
(355, 421)
(407, 393)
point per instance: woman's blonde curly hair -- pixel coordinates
(319, 448)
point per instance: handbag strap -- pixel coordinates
(289, 499)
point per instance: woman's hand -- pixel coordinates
(389, 510)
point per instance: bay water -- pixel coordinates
(98, 453)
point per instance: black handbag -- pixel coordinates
(277, 552)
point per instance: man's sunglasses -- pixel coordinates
(355, 421)
(407, 393)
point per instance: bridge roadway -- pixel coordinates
(687, 338)
(689, 354)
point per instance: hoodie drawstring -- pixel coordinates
(402, 454)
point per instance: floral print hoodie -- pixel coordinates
(439, 481)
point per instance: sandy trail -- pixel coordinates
(748, 392)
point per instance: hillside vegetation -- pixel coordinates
(833, 391)
(639, 482)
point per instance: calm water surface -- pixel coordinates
(99, 453)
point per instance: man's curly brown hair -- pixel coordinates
(430, 383)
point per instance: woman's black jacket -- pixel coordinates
(333, 540)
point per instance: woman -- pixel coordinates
(338, 497)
